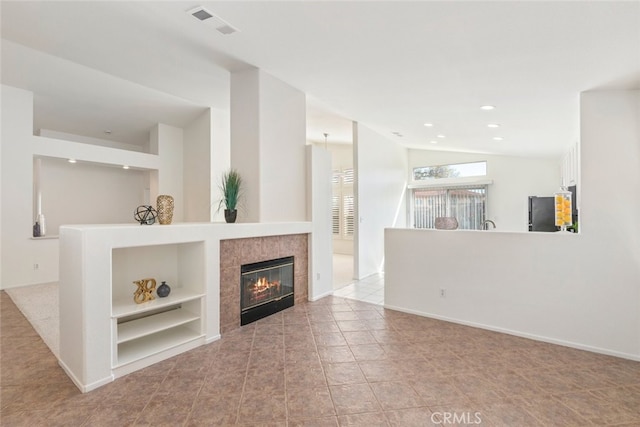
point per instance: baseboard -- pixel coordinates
(213, 339)
(84, 388)
(534, 337)
(316, 298)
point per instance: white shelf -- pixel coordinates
(139, 328)
(45, 237)
(122, 307)
(150, 345)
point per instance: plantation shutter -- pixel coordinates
(348, 213)
(335, 214)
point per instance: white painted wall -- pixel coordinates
(579, 290)
(17, 193)
(220, 157)
(282, 151)
(89, 140)
(167, 142)
(268, 146)
(319, 207)
(381, 180)
(514, 179)
(86, 193)
(341, 155)
(197, 169)
(245, 137)
(1, 201)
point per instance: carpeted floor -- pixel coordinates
(39, 304)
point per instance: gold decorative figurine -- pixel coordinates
(145, 290)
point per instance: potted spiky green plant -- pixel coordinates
(231, 186)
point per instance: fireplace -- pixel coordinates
(265, 288)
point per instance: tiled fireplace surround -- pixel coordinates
(236, 252)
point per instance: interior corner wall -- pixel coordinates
(268, 121)
(167, 142)
(319, 206)
(381, 179)
(220, 158)
(245, 140)
(514, 179)
(17, 197)
(1, 201)
(282, 157)
(197, 169)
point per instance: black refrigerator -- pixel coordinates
(542, 214)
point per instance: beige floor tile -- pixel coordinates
(396, 395)
(353, 399)
(412, 417)
(377, 419)
(343, 373)
(332, 362)
(305, 403)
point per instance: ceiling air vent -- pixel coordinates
(202, 14)
(222, 26)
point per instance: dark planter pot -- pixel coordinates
(230, 215)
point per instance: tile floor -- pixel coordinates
(370, 289)
(342, 270)
(333, 362)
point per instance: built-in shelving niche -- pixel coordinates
(144, 330)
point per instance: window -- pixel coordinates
(347, 214)
(335, 215)
(459, 170)
(343, 204)
(465, 203)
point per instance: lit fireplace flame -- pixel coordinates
(263, 285)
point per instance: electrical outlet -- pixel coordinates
(443, 293)
(317, 276)
(36, 266)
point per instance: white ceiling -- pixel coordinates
(390, 65)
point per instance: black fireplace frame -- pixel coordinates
(249, 315)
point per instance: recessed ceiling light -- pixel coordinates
(487, 107)
(125, 167)
(498, 138)
(428, 124)
(493, 125)
(71, 160)
(434, 142)
(440, 136)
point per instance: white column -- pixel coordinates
(268, 137)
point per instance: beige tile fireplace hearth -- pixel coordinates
(236, 252)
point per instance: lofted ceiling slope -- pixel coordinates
(390, 65)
